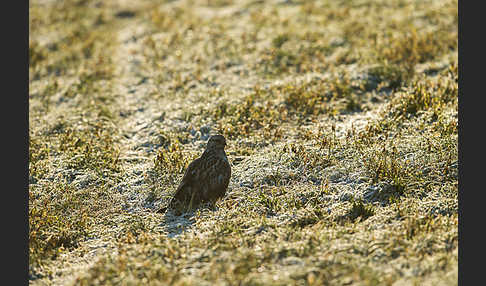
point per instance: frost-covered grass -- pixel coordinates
(341, 122)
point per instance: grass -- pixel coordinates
(341, 122)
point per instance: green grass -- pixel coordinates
(341, 122)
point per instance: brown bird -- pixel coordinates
(206, 178)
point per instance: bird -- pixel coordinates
(206, 178)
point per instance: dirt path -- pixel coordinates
(136, 112)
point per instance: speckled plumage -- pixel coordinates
(206, 179)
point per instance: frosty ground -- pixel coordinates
(341, 122)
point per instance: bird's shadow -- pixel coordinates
(176, 222)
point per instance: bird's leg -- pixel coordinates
(191, 201)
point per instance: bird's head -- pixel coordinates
(216, 141)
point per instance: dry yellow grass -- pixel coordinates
(341, 122)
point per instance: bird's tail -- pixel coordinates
(170, 205)
(176, 204)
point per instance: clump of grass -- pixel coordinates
(38, 157)
(425, 95)
(308, 158)
(385, 165)
(310, 98)
(219, 3)
(389, 75)
(331, 96)
(279, 40)
(36, 53)
(249, 116)
(91, 148)
(359, 210)
(415, 47)
(171, 159)
(57, 222)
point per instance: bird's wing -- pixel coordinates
(205, 175)
(191, 175)
(222, 180)
(216, 174)
(185, 189)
